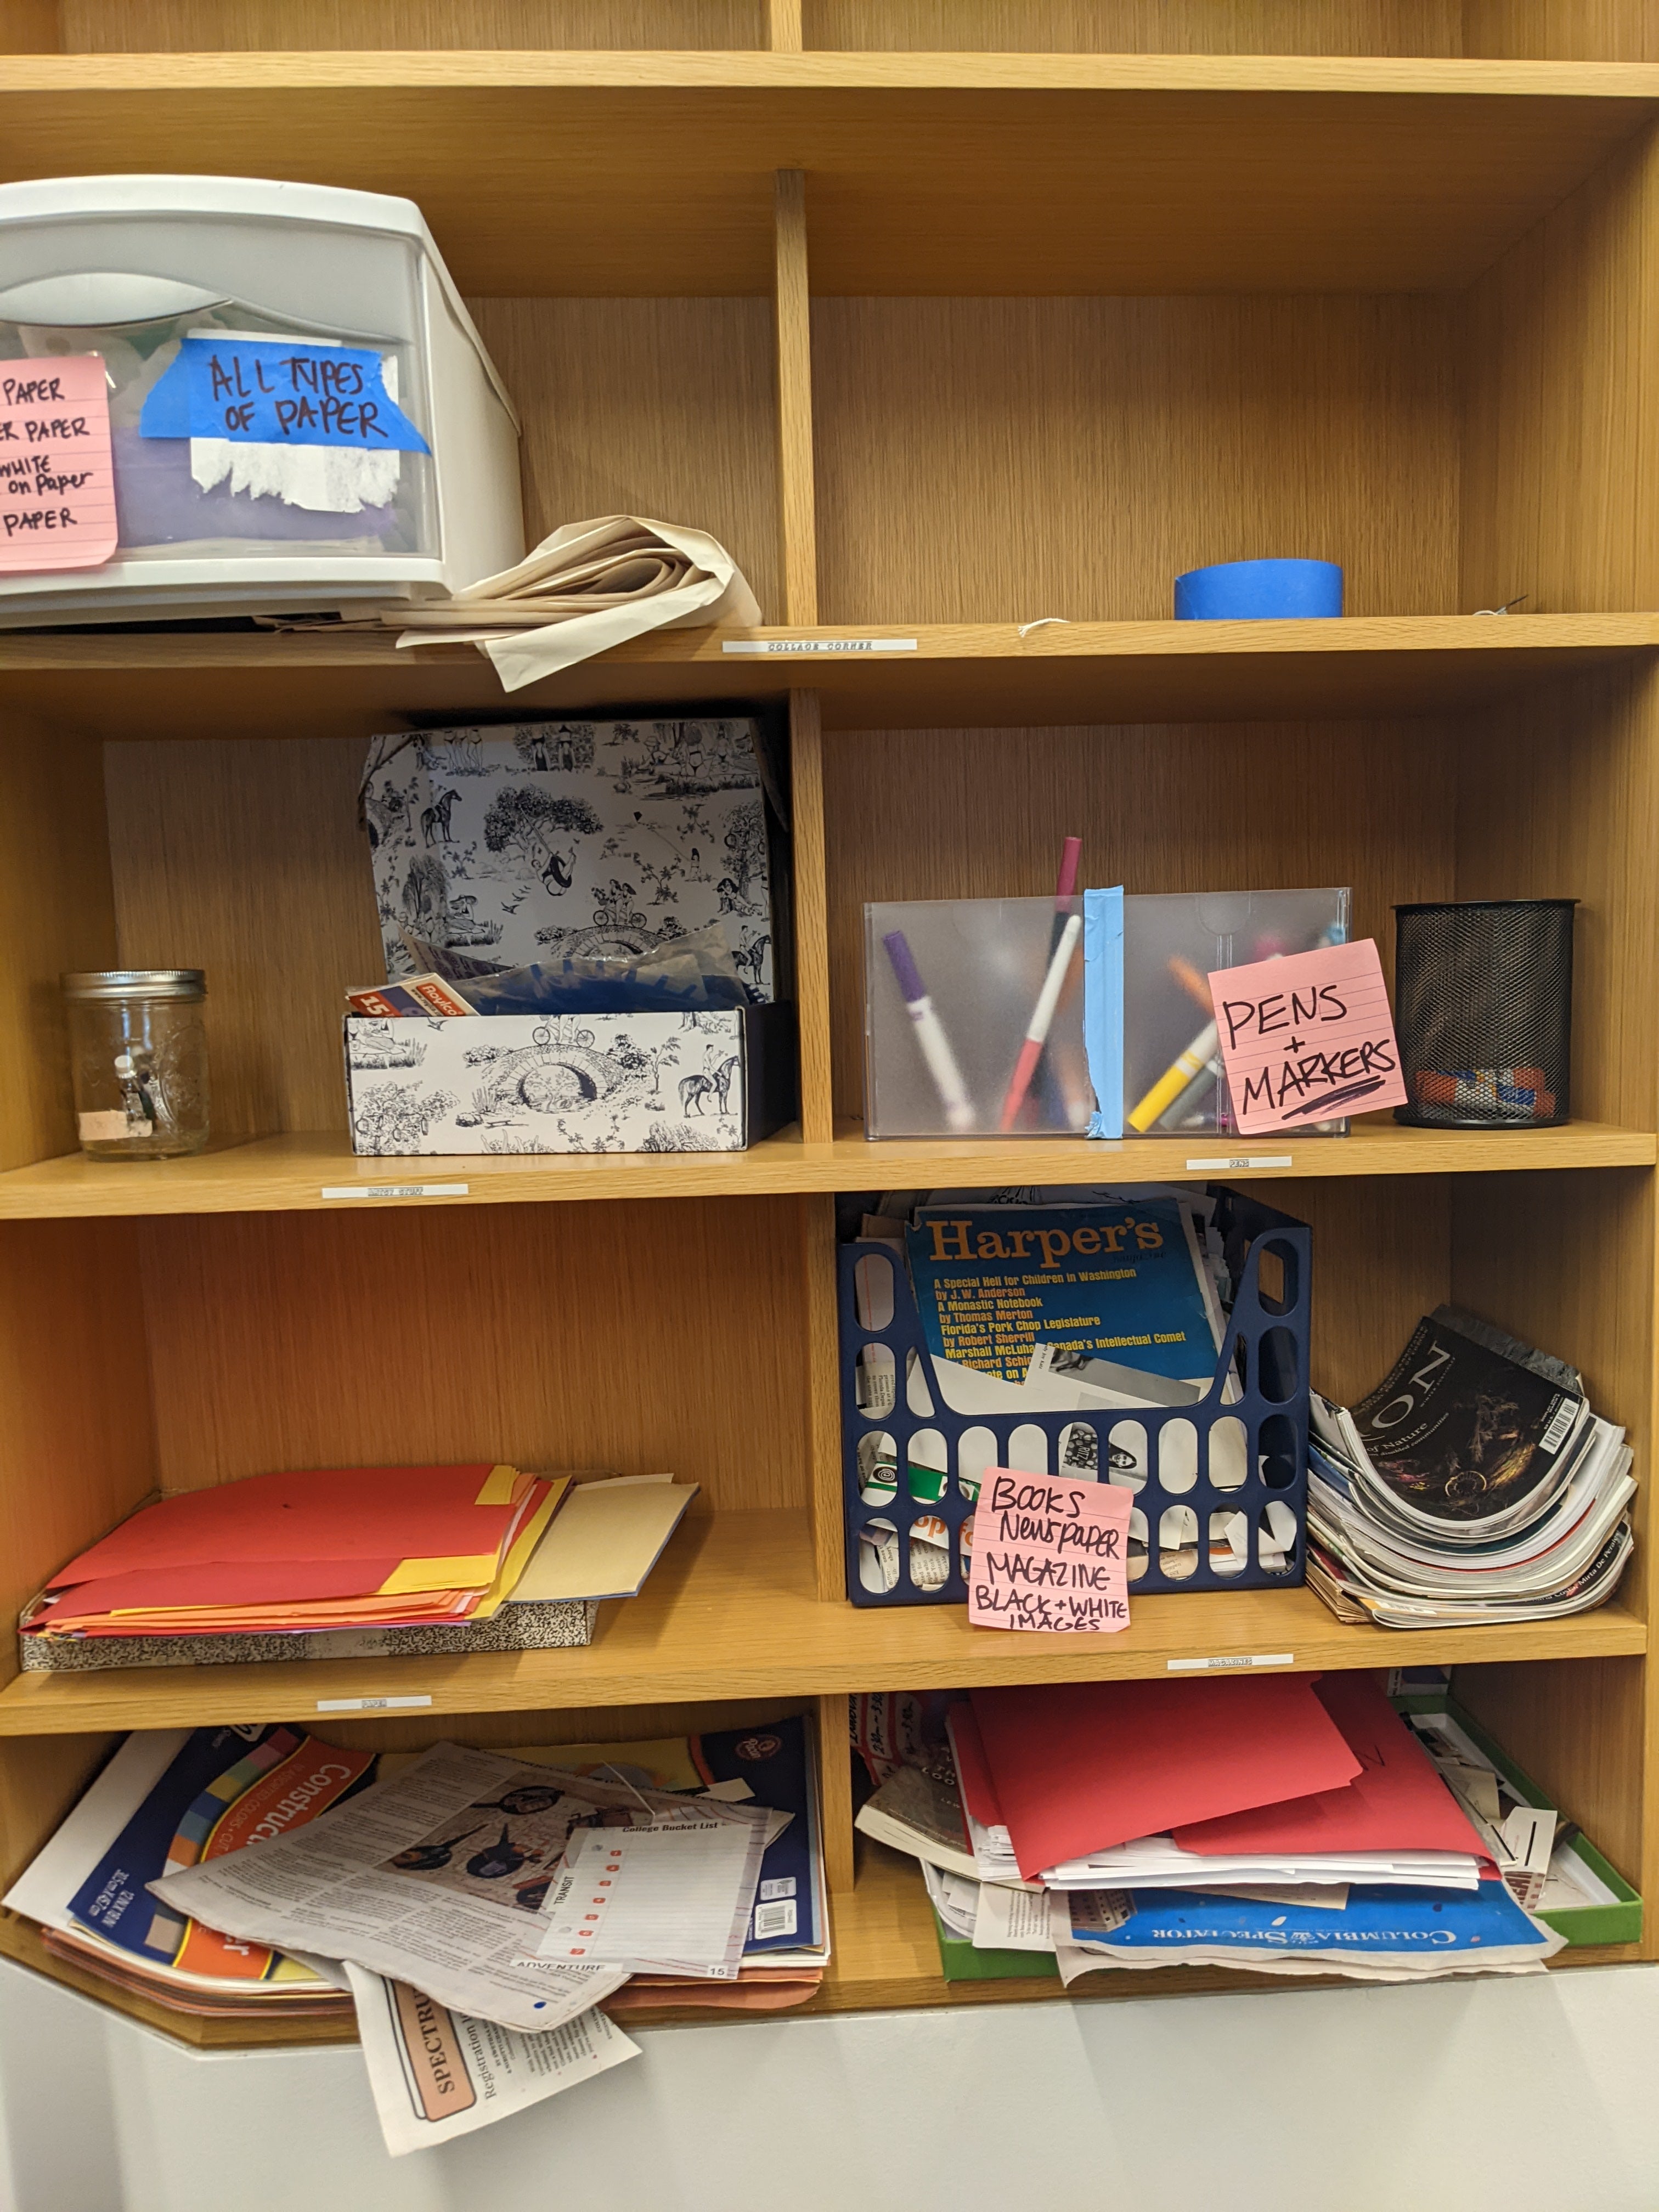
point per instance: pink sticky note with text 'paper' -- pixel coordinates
(1307, 1038)
(57, 479)
(1049, 1554)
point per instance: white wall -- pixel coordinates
(1495, 2096)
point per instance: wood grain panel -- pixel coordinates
(793, 309)
(998, 460)
(57, 913)
(1561, 30)
(982, 814)
(835, 1782)
(1561, 437)
(633, 1335)
(821, 1363)
(102, 26)
(949, 175)
(1559, 798)
(508, 1731)
(1382, 1258)
(29, 27)
(813, 987)
(244, 857)
(39, 1780)
(77, 1445)
(783, 26)
(1139, 26)
(663, 408)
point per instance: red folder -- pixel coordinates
(1079, 1766)
(979, 1793)
(1396, 1802)
(336, 1513)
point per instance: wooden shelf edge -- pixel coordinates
(32, 651)
(730, 1613)
(884, 1959)
(823, 71)
(294, 1173)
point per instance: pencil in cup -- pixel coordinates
(931, 1036)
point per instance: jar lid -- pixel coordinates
(137, 983)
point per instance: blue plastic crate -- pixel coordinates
(1266, 1346)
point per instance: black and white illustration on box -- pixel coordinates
(515, 1083)
(510, 844)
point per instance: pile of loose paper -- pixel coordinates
(590, 586)
(1289, 1823)
(1474, 1484)
(477, 1909)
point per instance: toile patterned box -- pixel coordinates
(712, 1081)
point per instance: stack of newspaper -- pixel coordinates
(1474, 1484)
(258, 1870)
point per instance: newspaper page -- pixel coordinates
(436, 2074)
(433, 1878)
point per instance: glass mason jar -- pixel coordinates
(139, 1052)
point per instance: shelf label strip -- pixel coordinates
(1230, 1665)
(800, 645)
(1231, 1163)
(368, 1705)
(395, 1189)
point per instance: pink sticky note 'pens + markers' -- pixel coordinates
(931, 1036)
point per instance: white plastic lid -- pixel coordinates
(262, 199)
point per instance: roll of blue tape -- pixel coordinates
(1257, 590)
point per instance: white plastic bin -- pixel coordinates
(131, 268)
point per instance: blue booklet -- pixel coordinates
(226, 1788)
(775, 1760)
(1377, 1919)
(1116, 1282)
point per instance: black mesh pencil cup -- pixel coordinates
(1483, 1011)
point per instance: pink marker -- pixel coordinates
(1036, 1035)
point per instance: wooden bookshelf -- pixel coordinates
(317, 1171)
(733, 1612)
(984, 674)
(786, 273)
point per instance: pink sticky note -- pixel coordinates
(57, 479)
(1308, 1038)
(1049, 1554)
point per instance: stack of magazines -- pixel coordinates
(1474, 1484)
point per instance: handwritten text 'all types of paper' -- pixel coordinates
(1308, 1038)
(1049, 1554)
(57, 479)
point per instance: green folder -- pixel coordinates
(1618, 1922)
(960, 1962)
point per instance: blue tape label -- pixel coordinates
(276, 392)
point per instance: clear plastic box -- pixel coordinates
(1172, 1083)
(982, 964)
(129, 267)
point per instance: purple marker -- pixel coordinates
(930, 1035)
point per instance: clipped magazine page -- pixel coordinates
(437, 2074)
